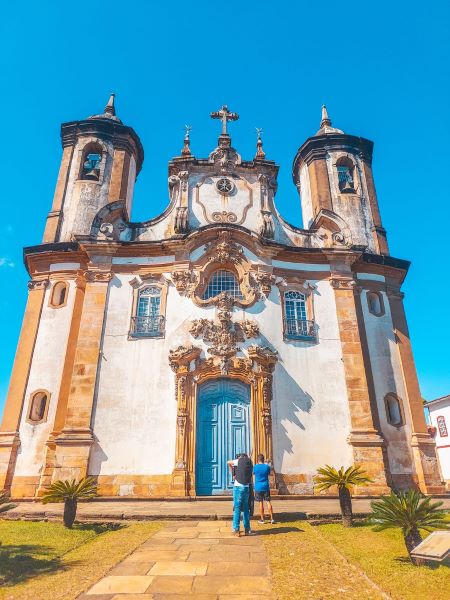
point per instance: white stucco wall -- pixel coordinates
(135, 414)
(388, 378)
(45, 373)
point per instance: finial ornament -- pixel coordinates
(326, 121)
(186, 149)
(110, 109)
(259, 144)
(224, 115)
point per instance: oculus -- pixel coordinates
(224, 185)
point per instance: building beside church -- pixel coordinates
(152, 352)
(439, 419)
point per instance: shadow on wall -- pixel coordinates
(290, 400)
(96, 458)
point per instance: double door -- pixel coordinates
(223, 430)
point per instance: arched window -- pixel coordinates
(345, 169)
(393, 410)
(222, 281)
(375, 303)
(90, 163)
(38, 407)
(148, 320)
(295, 316)
(59, 294)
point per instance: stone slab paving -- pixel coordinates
(198, 559)
(186, 509)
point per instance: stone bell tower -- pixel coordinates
(101, 160)
(333, 172)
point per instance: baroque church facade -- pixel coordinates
(153, 352)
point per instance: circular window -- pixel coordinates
(224, 185)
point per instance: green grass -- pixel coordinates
(383, 557)
(40, 560)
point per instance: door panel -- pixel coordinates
(223, 430)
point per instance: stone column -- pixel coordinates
(183, 483)
(365, 440)
(423, 446)
(76, 437)
(9, 429)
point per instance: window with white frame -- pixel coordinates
(148, 319)
(295, 316)
(222, 281)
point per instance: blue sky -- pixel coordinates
(381, 68)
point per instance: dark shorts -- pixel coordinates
(260, 496)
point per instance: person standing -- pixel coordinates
(243, 470)
(262, 489)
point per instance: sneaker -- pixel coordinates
(272, 522)
(249, 532)
(236, 533)
(261, 522)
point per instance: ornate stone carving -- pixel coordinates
(264, 282)
(267, 228)
(224, 158)
(224, 250)
(263, 356)
(223, 334)
(37, 284)
(181, 220)
(182, 356)
(224, 217)
(185, 281)
(342, 283)
(98, 276)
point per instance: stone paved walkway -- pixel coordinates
(194, 559)
(299, 508)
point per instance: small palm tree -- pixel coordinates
(410, 511)
(5, 504)
(70, 492)
(345, 480)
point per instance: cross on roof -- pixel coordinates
(224, 115)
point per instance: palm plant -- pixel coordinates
(70, 492)
(344, 479)
(410, 511)
(5, 504)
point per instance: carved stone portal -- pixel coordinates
(255, 369)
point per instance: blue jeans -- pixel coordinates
(240, 504)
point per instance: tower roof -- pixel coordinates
(325, 124)
(109, 111)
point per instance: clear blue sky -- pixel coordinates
(381, 68)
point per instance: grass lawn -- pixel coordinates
(46, 560)
(331, 561)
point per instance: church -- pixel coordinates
(153, 352)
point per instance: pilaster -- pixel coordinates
(366, 442)
(9, 429)
(423, 446)
(53, 218)
(73, 443)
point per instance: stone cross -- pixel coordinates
(224, 115)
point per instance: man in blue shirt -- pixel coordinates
(262, 490)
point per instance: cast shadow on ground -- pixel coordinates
(18, 565)
(276, 530)
(100, 528)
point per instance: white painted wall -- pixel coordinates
(388, 378)
(135, 413)
(45, 373)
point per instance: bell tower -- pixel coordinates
(333, 172)
(101, 160)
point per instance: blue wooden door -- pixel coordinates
(223, 430)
